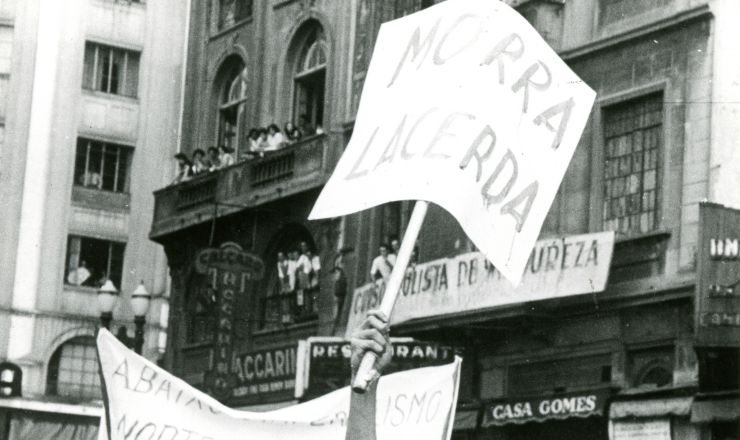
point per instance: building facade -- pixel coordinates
(91, 92)
(618, 363)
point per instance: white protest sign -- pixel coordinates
(557, 267)
(466, 106)
(146, 402)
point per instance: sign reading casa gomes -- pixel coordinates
(264, 376)
(585, 404)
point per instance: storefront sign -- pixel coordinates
(329, 369)
(557, 267)
(230, 272)
(540, 409)
(264, 376)
(654, 429)
(718, 285)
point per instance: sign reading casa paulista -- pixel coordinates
(541, 409)
(230, 272)
(464, 105)
(557, 267)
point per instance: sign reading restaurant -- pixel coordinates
(718, 286)
(557, 267)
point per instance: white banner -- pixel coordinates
(146, 402)
(557, 267)
(466, 106)
(644, 429)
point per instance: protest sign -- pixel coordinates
(145, 402)
(466, 106)
(557, 267)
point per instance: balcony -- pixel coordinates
(296, 168)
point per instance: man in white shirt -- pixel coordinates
(382, 265)
(79, 275)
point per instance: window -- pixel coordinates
(231, 12)
(616, 10)
(309, 81)
(102, 165)
(91, 261)
(633, 134)
(651, 367)
(232, 109)
(73, 370)
(111, 70)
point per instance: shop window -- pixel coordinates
(73, 370)
(633, 141)
(231, 12)
(232, 109)
(111, 70)
(102, 165)
(651, 368)
(719, 369)
(309, 80)
(91, 261)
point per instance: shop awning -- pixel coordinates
(465, 420)
(670, 406)
(719, 410)
(540, 409)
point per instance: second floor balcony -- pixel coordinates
(301, 166)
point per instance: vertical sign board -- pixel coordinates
(718, 278)
(230, 272)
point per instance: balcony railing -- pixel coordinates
(282, 309)
(301, 166)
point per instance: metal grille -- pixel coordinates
(197, 193)
(633, 141)
(272, 170)
(73, 370)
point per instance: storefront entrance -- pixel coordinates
(592, 428)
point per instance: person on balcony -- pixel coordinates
(214, 161)
(184, 167)
(306, 128)
(226, 156)
(286, 273)
(275, 139)
(199, 162)
(292, 133)
(78, 275)
(309, 266)
(381, 268)
(254, 148)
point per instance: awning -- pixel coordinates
(670, 406)
(719, 409)
(465, 420)
(540, 409)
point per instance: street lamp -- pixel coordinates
(107, 297)
(140, 304)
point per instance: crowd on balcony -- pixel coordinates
(261, 141)
(298, 283)
(382, 265)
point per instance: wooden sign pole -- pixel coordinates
(366, 371)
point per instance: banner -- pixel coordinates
(466, 106)
(328, 360)
(718, 277)
(557, 267)
(145, 402)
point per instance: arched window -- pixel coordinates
(73, 370)
(291, 282)
(656, 374)
(309, 80)
(232, 108)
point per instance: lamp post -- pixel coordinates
(140, 304)
(107, 297)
